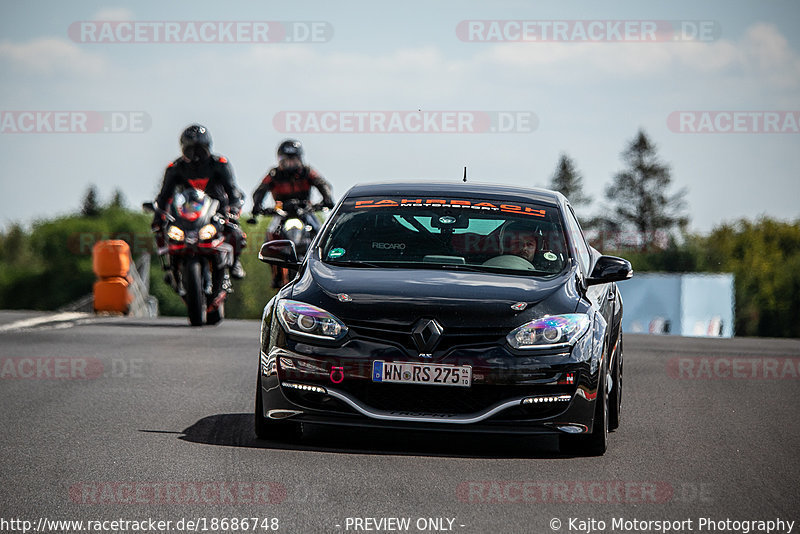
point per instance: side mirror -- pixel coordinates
(610, 269)
(148, 206)
(280, 252)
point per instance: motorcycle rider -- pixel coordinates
(291, 180)
(199, 168)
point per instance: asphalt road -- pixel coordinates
(117, 419)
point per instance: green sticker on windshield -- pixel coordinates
(550, 256)
(336, 253)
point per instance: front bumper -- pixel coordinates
(510, 392)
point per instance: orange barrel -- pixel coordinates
(112, 295)
(111, 258)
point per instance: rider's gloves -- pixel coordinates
(158, 221)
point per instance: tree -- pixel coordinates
(118, 200)
(569, 182)
(15, 246)
(90, 206)
(764, 256)
(640, 194)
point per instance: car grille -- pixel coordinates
(401, 335)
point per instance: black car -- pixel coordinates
(445, 306)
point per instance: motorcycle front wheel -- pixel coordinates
(195, 296)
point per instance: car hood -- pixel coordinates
(458, 298)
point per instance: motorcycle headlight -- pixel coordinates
(550, 332)
(293, 224)
(207, 232)
(307, 320)
(175, 233)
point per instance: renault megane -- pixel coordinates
(445, 306)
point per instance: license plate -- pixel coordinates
(433, 374)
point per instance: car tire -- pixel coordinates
(596, 443)
(268, 429)
(615, 398)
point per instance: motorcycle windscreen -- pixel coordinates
(191, 204)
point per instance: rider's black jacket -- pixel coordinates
(213, 175)
(295, 184)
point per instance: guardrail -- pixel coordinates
(144, 304)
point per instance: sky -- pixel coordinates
(98, 93)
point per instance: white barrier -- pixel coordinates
(691, 304)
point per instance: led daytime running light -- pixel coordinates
(305, 387)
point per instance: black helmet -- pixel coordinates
(290, 148)
(196, 143)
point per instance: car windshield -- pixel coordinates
(457, 234)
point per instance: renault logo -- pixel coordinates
(426, 335)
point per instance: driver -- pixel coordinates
(520, 239)
(535, 243)
(199, 168)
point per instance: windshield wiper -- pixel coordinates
(452, 266)
(352, 263)
(474, 268)
(431, 265)
(398, 265)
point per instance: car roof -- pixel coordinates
(456, 189)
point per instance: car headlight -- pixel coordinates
(307, 320)
(207, 232)
(175, 233)
(550, 332)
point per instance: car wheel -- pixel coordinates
(615, 399)
(273, 430)
(596, 443)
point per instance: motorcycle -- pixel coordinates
(198, 257)
(292, 225)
